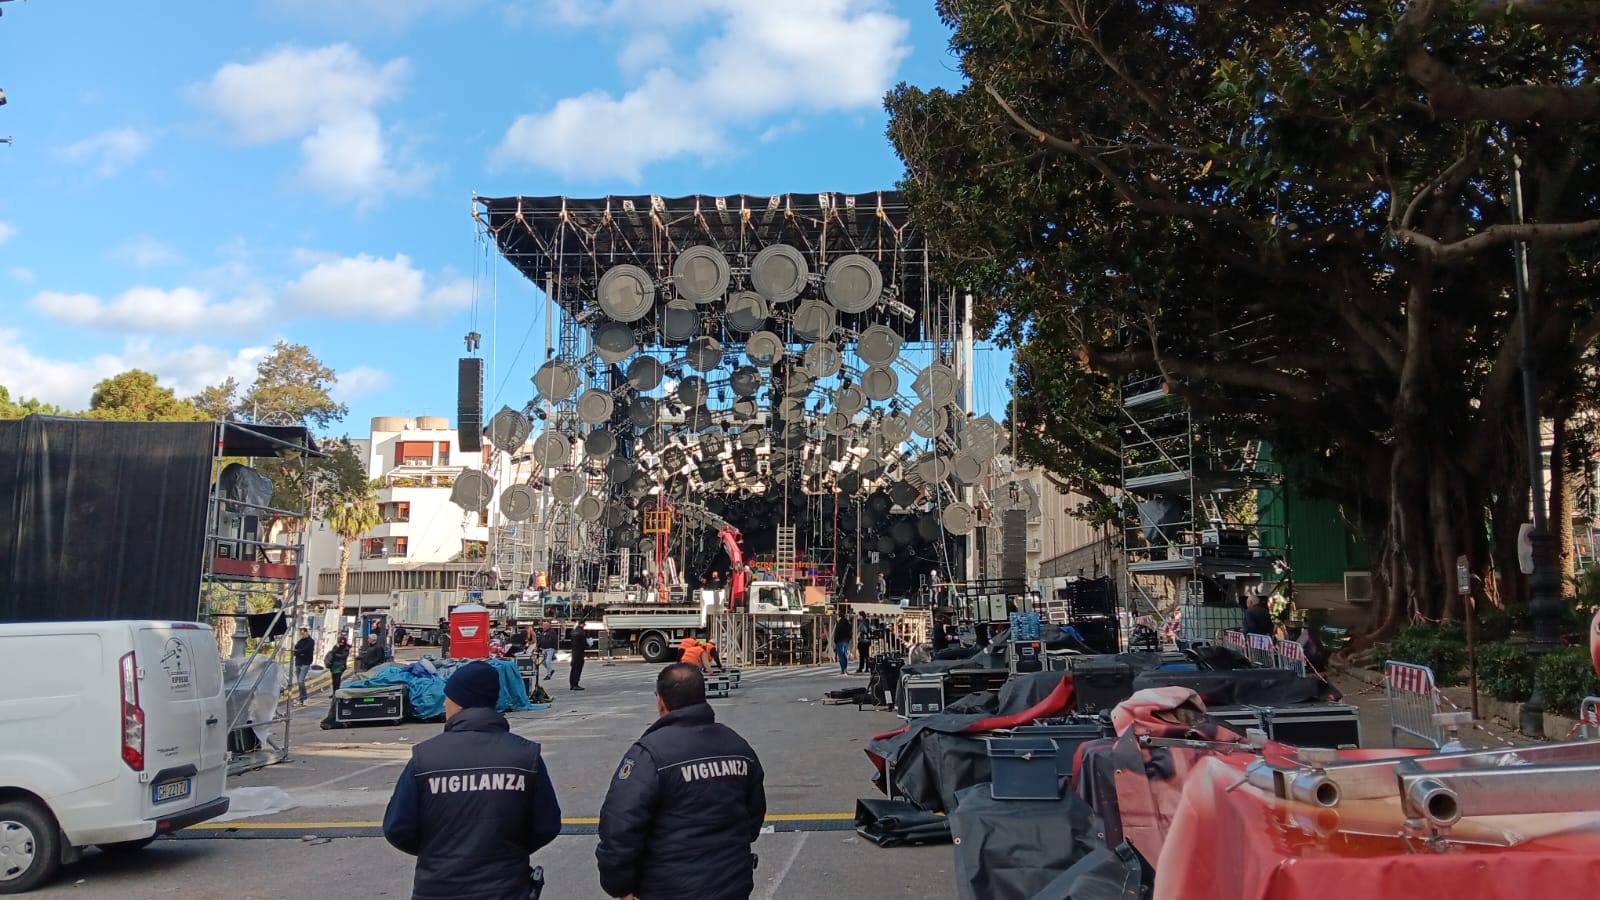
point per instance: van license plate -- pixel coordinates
(172, 790)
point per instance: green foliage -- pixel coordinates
(137, 396)
(1442, 648)
(1248, 203)
(218, 401)
(1495, 624)
(1505, 671)
(1567, 675)
(25, 406)
(292, 387)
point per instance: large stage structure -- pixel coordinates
(785, 367)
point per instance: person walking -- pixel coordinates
(337, 660)
(578, 637)
(864, 628)
(444, 638)
(685, 805)
(475, 802)
(549, 641)
(841, 641)
(883, 587)
(305, 650)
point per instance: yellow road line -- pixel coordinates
(288, 826)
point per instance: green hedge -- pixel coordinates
(1505, 671)
(1442, 648)
(1568, 676)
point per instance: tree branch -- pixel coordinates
(1228, 374)
(1496, 236)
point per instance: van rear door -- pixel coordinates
(176, 693)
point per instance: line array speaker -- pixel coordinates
(469, 404)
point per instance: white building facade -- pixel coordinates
(424, 541)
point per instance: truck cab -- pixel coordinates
(771, 597)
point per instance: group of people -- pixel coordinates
(681, 814)
(374, 653)
(864, 630)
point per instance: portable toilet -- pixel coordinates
(469, 631)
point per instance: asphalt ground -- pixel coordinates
(338, 783)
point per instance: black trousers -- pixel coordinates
(575, 670)
(337, 677)
(863, 652)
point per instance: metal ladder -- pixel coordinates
(786, 552)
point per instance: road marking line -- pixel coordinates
(245, 825)
(349, 775)
(772, 888)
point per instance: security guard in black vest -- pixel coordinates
(685, 805)
(475, 802)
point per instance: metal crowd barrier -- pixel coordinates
(1236, 640)
(1413, 698)
(1589, 718)
(1292, 656)
(1263, 650)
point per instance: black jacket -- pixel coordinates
(1257, 620)
(579, 639)
(682, 811)
(372, 655)
(472, 805)
(550, 639)
(337, 659)
(305, 650)
(841, 630)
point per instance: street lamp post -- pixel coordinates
(1544, 585)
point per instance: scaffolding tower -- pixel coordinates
(255, 558)
(1193, 543)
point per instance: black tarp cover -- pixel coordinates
(102, 520)
(933, 758)
(1010, 849)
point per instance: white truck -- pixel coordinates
(653, 630)
(111, 733)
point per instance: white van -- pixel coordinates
(111, 733)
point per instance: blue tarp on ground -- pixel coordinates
(425, 687)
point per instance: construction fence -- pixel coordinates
(757, 640)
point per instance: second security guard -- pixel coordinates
(685, 805)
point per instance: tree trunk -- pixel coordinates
(344, 571)
(1561, 503)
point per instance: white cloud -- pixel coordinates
(145, 252)
(70, 383)
(360, 382)
(22, 274)
(146, 310)
(293, 90)
(452, 296)
(768, 60)
(360, 287)
(326, 97)
(109, 152)
(7, 231)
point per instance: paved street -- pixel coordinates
(339, 782)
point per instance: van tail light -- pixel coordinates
(132, 715)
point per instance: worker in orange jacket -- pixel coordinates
(694, 654)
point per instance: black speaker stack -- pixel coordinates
(469, 404)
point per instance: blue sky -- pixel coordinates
(192, 181)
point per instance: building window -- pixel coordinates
(395, 512)
(400, 544)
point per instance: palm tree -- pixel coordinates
(351, 517)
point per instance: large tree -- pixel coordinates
(137, 396)
(292, 387)
(219, 401)
(1297, 215)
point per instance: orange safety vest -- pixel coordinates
(693, 654)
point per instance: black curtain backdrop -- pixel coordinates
(102, 520)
